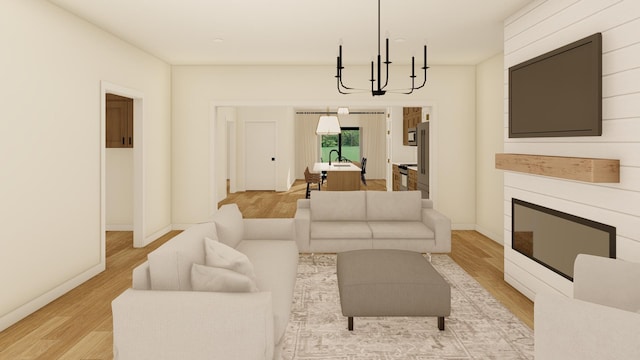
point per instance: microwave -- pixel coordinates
(411, 137)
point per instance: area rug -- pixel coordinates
(479, 326)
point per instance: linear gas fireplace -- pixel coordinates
(554, 238)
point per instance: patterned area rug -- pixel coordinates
(479, 326)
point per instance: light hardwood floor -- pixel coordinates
(78, 325)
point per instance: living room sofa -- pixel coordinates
(162, 317)
(335, 221)
(600, 322)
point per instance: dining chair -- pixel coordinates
(323, 174)
(311, 178)
(363, 170)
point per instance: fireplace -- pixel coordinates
(554, 238)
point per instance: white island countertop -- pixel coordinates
(340, 166)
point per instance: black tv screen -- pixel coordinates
(558, 93)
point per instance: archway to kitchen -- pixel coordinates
(224, 150)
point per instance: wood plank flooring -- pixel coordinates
(79, 325)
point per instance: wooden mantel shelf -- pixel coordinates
(573, 168)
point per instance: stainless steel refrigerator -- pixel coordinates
(422, 135)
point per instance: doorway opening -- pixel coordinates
(124, 164)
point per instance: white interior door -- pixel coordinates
(260, 161)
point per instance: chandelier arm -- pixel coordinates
(346, 87)
(425, 78)
(386, 81)
(338, 86)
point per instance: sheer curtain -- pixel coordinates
(306, 142)
(374, 144)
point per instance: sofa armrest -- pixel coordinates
(142, 277)
(573, 329)
(192, 325)
(441, 226)
(427, 204)
(303, 203)
(303, 228)
(605, 281)
(269, 229)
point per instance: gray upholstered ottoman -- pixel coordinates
(391, 283)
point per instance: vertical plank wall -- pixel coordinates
(541, 27)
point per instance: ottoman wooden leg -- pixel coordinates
(350, 323)
(441, 323)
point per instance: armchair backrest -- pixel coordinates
(609, 282)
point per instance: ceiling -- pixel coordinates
(215, 32)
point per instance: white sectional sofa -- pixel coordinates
(162, 317)
(335, 221)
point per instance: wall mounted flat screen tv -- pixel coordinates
(558, 93)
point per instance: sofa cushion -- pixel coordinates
(338, 206)
(208, 278)
(228, 220)
(394, 205)
(170, 264)
(340, 230)
(275, 263)
(400, 230)
(223, 256)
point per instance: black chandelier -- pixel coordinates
(342, 89)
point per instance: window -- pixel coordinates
(347, 143)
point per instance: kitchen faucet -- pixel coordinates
(330, 155)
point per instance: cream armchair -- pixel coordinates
(601, 321)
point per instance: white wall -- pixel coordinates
(539, 28)
(50, 179)
(196, 88)
(489, 132)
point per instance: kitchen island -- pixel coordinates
(340, 176)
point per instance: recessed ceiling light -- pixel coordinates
(218, 40)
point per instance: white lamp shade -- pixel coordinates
(328, 125)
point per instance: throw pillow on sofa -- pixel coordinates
(170, 264)
(222, 256)
(206, 278)
(229, 224)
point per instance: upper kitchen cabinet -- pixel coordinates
(119, 118)
(411, 117)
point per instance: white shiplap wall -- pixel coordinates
(541, 27)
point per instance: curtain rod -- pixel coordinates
(335, 112)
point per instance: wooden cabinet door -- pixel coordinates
(412, 181)
(411, 117)
(396, 178)
(119, 122)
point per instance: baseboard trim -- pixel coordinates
(44, 299)
(119, 227)
(463, 226)
(158, 234)
(491, 235)
(181, 226)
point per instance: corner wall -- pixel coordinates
(489, 131)
(50, 188)
(541, 27)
